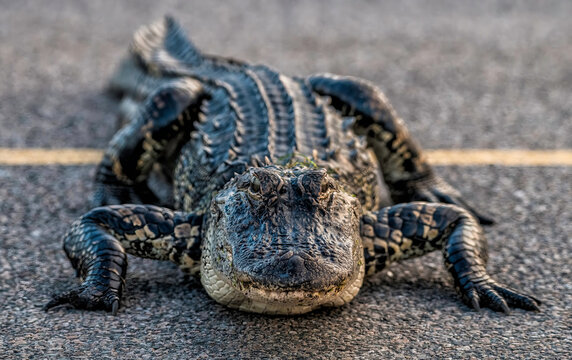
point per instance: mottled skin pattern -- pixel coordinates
(276, 183)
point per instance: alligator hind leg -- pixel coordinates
(410, 230)
(163, 123)
(98, 243)
(405, 170)
(132, 84)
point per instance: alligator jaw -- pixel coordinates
(265, 301)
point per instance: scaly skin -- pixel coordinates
(405, 170)
(166, 118)
(276, 191)
(409, 230)
(97, 244)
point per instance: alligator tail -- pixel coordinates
(158, 52)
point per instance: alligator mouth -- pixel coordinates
(252, 297)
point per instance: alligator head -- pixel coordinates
(282, 240)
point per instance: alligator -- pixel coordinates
(268, 186)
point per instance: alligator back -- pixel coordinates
(253, 115)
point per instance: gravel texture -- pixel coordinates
(490, 75)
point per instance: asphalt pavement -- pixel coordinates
(487, 74)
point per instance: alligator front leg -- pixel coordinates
(406, 172)
(98, 242)
(410, 230)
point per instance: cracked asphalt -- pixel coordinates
(492, 74)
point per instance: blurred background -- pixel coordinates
(492, 74)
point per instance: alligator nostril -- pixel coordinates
(312, 183)
(295, 265)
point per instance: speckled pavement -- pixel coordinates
(494, 75)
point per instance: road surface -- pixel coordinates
(486, 75)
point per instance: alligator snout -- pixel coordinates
(297, 271)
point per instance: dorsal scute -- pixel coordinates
(282, 136)
(164, 48)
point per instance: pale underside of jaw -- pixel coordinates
(265, 301)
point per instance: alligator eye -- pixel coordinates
(255, 185)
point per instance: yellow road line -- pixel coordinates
(443, 157)
(508, 157)
(32, 156)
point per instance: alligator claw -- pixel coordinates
(489, 293)
(474, 299)
(516, 299)
(87, 298)
(114, 307)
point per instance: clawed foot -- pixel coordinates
(87, 298)
(437, 190)
(489, 293)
